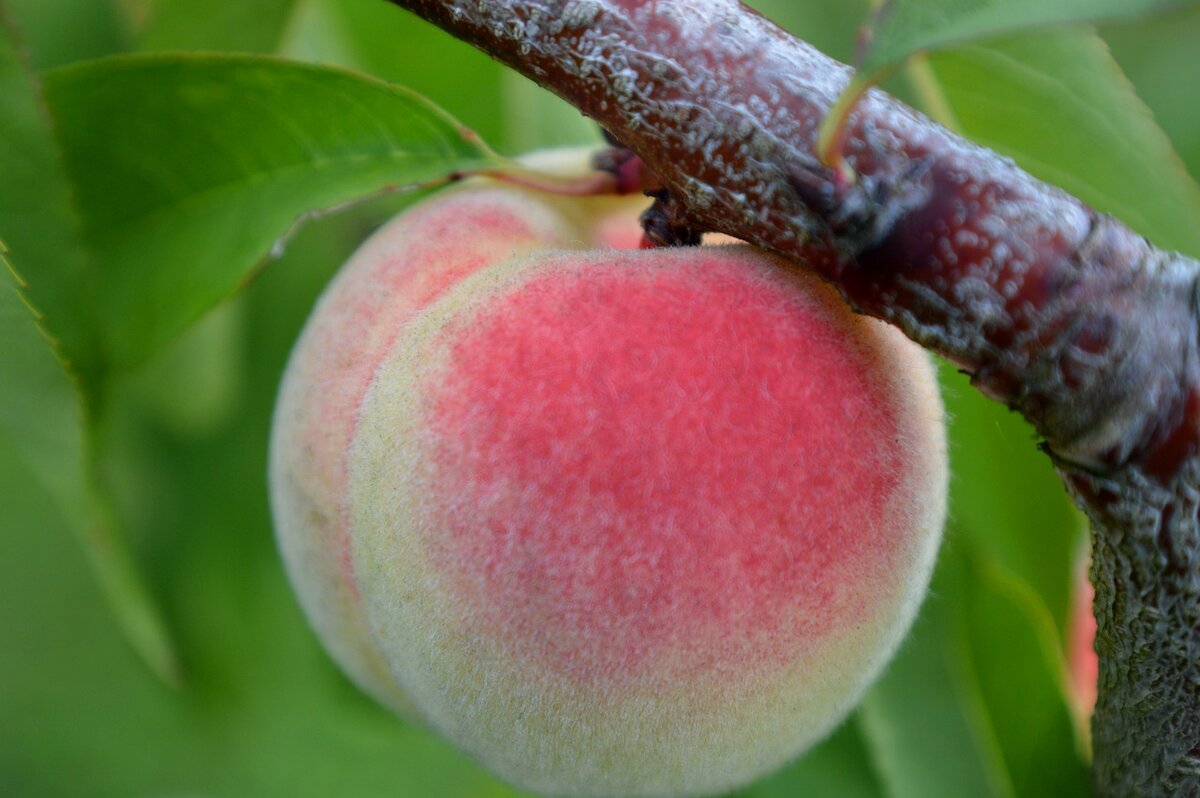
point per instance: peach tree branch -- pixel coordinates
(1060, 312)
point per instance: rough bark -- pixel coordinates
(1056, 310)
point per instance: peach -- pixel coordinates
(1083, 664)
(615, 523)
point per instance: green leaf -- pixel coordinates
(1058, 104)
(973, 704)
(382, 40)
(840, 765)
(196, 383)
(1154, 55)
(212, 160)
(37, 218)
(537, 119)
(126, 227)
(42, 423)
(1006, 498)
(505, 108)
(899, 28)
(1017, 663)
(924, 721)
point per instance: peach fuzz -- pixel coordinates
(615, 523)
(403, 267)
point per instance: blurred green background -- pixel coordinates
(974, 705)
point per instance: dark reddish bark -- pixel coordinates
(1056, 310)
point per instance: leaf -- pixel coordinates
(197, 382)
(37, 219)
(42, 423)
(1017, 663)
(924, 721)
(211, 161)
(973, 704)
(537, 119)
(899, 28)
(384, 41)
(1058, 104)
(126, 227)
(1006, 498)
(505, 108)
(1154, 54)
(839, 765)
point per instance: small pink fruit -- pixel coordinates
(616, 523)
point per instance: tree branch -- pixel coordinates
(1056, 310)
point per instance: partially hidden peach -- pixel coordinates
(614, 522)
(1083, 664)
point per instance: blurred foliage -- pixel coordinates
(898, 29)
(974, 703)
(1155, 55)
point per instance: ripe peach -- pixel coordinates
(627, 523)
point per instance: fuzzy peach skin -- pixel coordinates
(615, 523)
(401, 269)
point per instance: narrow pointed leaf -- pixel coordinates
(42, 421)
(1017, 664)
